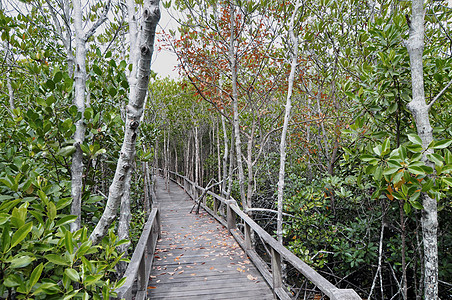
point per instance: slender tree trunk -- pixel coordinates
(225, 155)
(419, 109)
(12, 107)
(231, 168)
(124, 222)
(197, 159)
(403, 238)
(151, 16)
(219, 160)
(282, 145)
(79, 102)
(235, 99)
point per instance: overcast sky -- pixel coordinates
(164, 62)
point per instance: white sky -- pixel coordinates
(164, 62)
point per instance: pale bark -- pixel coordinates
(124, 215)
(197, 159)
(124, 222)
(419, 109)
(235, 100)
(282, 146)
(137, 96)
(225, 155)
(12, 107)
(79, 102)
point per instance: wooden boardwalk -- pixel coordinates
(196, 258)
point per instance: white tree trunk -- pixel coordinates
(137, 96)
(225, 155)
(124, 215)
(79, 102)
(419, 109)
(238, 144)
(282, 145)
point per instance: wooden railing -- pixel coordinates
(140, 264)
(277, 251)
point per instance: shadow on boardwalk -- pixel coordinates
(196, 258)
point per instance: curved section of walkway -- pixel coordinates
(196, 258)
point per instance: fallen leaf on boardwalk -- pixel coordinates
(251, 277)
(192, 274)
(151, 287)
(212, 268)
(157, 281)
(240, 270)
(181, 272)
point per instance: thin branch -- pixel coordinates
(99, 21)
(439, 95)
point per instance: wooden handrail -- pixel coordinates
(278, 251)
(140, 264)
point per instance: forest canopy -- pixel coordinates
(328, 121)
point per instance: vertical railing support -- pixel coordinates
(231, 215)
(276, 269)
(216, 205)
(248, 242)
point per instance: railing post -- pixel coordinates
(276, 269)
(231, 215)
(142, 274)
(216, 204)
(248, 243)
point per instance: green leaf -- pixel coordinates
(68, 242)
(392, 108)
(7, 205)
(13, 280)
(57, 77)
(407, 208)
(63, 202)
(415, 139)
(21, 233)
(390, 171)
(47, 288)
(386, 147)
(35, 275)
(66, 151)
(416, 205)
(21, 262)
(92, 279)
(427, 186)
(6, 239)
(50, 84)
(377, 150)
(447, 180)
(57, 259)
(65, 220)
(442, 144)
(402, 152)
(378, 173)
(72, 274)
(416, 170)
(51, 211)
(436, 158)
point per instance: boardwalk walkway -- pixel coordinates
(196, 258)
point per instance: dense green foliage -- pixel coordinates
(354, 172)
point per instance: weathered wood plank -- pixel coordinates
(196, 258)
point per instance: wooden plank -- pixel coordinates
(197, 258)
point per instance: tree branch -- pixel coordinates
(99, 21)
(439, 95)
